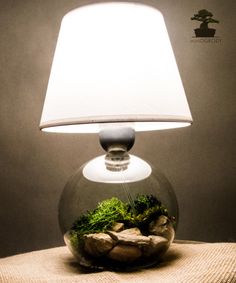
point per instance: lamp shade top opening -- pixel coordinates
(114, 65)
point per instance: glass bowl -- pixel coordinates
(118, 219)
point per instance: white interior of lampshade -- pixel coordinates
(114, 60)
(96, 128)
(96, 171)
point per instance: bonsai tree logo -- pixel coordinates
(205, 17)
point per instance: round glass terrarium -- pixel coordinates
(117, 212)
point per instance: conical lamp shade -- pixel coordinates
(114, 64)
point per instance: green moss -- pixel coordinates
(145, 209)
(74, 239)
(102, 218)
(139, 214)
(144, 202)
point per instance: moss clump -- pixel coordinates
(102, 218)
(144, 202)
(139, 214)
(145, 208)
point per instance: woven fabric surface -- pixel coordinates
(184, 262)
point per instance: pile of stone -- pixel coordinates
(129, 245)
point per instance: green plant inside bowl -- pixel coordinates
(116, 233)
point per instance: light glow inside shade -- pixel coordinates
(95, 128)
(114, 64)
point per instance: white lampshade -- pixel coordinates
(114, 64)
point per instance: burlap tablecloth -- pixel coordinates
(184, 262)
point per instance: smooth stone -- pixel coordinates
(129, 239)
(163, 227)
(117, 227)
(132, 231)
(98, 244)
(124, 253)
(158, 245)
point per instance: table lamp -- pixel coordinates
(114, 73)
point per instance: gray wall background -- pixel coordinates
(199, 160)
